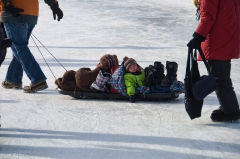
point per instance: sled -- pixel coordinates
(94, 95)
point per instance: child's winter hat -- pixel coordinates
(108, 60)
(128, 62)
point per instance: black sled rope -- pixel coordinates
(48, 52)
(32, 35)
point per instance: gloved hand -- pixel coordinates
(13, 11)
(132, 99)
(195, 43)
(6, 43)
(56, 11)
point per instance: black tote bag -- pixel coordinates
(206, 84)
(192, 105)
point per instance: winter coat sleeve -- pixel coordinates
(208, 13)
(49, 2)
(130, 83)
(133, 81)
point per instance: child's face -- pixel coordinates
(133, 68)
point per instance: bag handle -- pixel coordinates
(192, 58)
(190, 50)
(204, 60)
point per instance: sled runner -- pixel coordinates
(93, 95)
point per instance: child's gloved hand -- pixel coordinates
(56, 11)
(12, 10)
(6, 43)
(132, 99)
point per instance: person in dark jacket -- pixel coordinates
(4, 43)
(218, 35)
(20, 18)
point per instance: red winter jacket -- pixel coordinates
(220, 24)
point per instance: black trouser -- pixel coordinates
(221, 71)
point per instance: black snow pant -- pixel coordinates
(226, 95)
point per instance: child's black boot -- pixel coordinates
(171, 76)
(132, 99)
(149, 75)
(159, 74)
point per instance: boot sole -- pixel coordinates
(26, 90)
(95, 88)
(228, 121)
(11, 86)
(15, 88)
(235, 120)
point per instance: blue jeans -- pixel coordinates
(23, 59)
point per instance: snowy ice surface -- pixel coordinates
(50, 125)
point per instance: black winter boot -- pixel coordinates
(220, 116)
(217, 110)
(171, 76)
(132, 99)
(160, 76)
(149, 75)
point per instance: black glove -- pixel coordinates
(13, 11)
(195, 43)
(6, 43)
(56, 11)
(132, 99)
(3, 52)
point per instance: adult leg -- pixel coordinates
(20, 33)
(221, 71)
(15, 71)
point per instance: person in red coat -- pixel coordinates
(218, 35)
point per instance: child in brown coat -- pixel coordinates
(83, 78)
